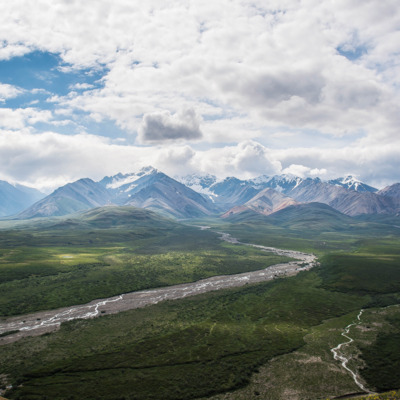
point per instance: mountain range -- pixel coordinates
(195, 196)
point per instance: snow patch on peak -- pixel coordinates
(349, 179)
(197, 180)
(352, 183)
(200, 183)
(119, 180)
(148, 170)
(259, 180)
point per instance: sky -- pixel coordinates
(230, 87)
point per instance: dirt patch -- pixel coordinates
(291, 394)
(312, 359)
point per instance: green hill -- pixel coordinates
(311, 216)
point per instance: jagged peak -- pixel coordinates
(148, 170)
(350, 178)
(286, 178)
(113, 182)
(346, 179)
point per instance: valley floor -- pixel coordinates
(269, 340)
(47, 321)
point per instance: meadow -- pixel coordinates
(269, 340)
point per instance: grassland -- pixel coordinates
(268, 341)
(53, 266)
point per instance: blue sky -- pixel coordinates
(235, 87)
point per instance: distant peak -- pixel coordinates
(286, 177)
(349, 178)
(86, 180)
(148, 170)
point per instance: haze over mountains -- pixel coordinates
(198, 196)
(15, 198)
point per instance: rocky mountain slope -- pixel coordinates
(152, 189)
(265, 202)
(391, 191)
(81, 195)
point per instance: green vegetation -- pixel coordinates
(66, 276)
(174, 350)
(382, 358)
(109, 254)
(217, 344)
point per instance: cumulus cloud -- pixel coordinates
(246, 159)
(8, 51)
(21, 117)
(305, 172)
(248, 68)
(48, 160)
(175, 160)
(165, 127)
(374, 163)
(9, 91)
(284, 66)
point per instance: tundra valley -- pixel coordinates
(142, 286)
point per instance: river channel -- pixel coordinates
(46, 321)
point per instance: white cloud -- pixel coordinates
(163, 127)
(48, 160)
(246, 159)
(304, 172)
(248, 68)
(21, 117)
(8, 51)
(81, 86)
(8, 92)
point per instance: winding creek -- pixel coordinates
(46, 321)
(339, 356)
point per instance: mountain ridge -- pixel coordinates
(151, 189)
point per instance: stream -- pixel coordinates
(344, 360)
(42, 322)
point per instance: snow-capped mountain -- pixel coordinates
(232, 191)
(197, 182)
(260, 181)
(152, 189)
(210, 185)
(200, 184)
(225, 193)
(283, 183)
(352, 183)
(197, 196)
(125, 182)
(347, 195)
(340, 198)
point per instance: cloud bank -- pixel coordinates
(26, 158)
(239, 87)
